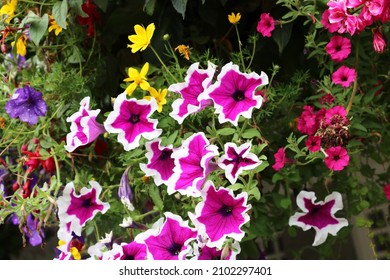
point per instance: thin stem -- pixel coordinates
(252, 55)
(355, 83)
(163, 64)
(239, 47)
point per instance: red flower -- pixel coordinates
(280, 159)
(93, 16)
(337, 158)
(386, 190)
(33, 159)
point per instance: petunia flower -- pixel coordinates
(336, 115)
(307, 121)
(184, 51)
(131, 120)
(159, 96)
(378, 42)
(137, 79)
(204, 252)
(84, 128)
(124, 191)
(234, 18)
(386, 191)
(8, 10)
(338, 48)
(34, 233)
(160, 162)
(234, 93)
(191, 90)
(169, 239)
(75, 210)
(280, 159)
(26, 104)
(237, 159)
(142, 37)
(133, 251)
(320, 215)
(336, 158)
(220, 214)
(313, 143)
(192, 165)
(266, 25)
(344, 76)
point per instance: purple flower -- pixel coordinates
(204, 252)
(133, 251)
(192, 100)
(160, 162)
(237, 159)
(34, 234)
(124, 192)
(78, 209)
(220, 215)
(131, 120)
(26, 104)
(168, 240)
(319, 216)
(84, 128)
(234, 93)
(192, 165)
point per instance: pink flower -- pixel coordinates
(378, 42)
(331, 27)
(338, 48)
(326, 99)
(307, 121)
(336, 115)
(313, 143)
(280, 159)
(266, 25)
(336, 158)
(344, 76)
(386, 190)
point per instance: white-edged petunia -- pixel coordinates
(131, 120)
(237, 159)
(220, 215)
(319, 216)
(192, 165)
(160, 162)
(191, 101)
(234, 93)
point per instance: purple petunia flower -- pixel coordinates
(191, 101)
(75, 210)
(84, 128)
(26, 104)
(319, 216)
(168, 240)
(237, 159)
(124, 192)
(133, 251)
(35, 235)
(131, 120)
(234, 93)
(220, 215)
(204, 252)
(192, 165)
(160, 162)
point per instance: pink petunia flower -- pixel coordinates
(335, 115)
(192, 165)
(313, 143)
(234, 93)
(319, 216)
(338, 48)
(133, 251)
(237, 159)
(307, 121)
(131, 120)
(280, 159)
(378, 41)
(192, 100)
(265, 25)
(339, 15)
(344, 76)
(160, 162)
(204, 252)
(220, 215)
(336, 158)
(169, 239)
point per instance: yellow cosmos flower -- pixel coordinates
(21, 48)
(234, 18)
(159, 96)
(142, 37)
(184, 51)
(137, 79)
(9, 10)
(54, 26)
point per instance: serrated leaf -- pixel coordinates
(60, 12)
(180, 6)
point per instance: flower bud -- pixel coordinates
(378, 42)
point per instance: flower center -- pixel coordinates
(165, 154)
(238, 95)
(225, 210)
(134, 118)
(174, 249)
(87, 203)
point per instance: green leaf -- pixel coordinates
(102, 4)
(76, 6)
(60, 11)
(154, 194)
(261, 167)
(255, 192)
(251, 133)
(76, 56)
(359, 126)
(282, 35)
(226, 131)
(285, 202)
(38, 26)
(277, 177)
(180, 6)
(149, 7)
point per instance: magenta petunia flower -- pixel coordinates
(160, 162)
(280, 159)
(234, 93)
(133, 251)
(237, 159)
(84, 128)
(319, 216)
(192, 165)
(192, 100)
(220, 215)
(344, 76)
(336, 115)
(26, 104)
(338, 48)
(78, 209)
(265, 25)
(168, 240)
(386, 190)
(307, 121)
(336, 158)
(313, 143)
(204, 252)
(131, 120)
(378, 42)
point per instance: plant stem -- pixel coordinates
(239, 47)
(163, 64)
